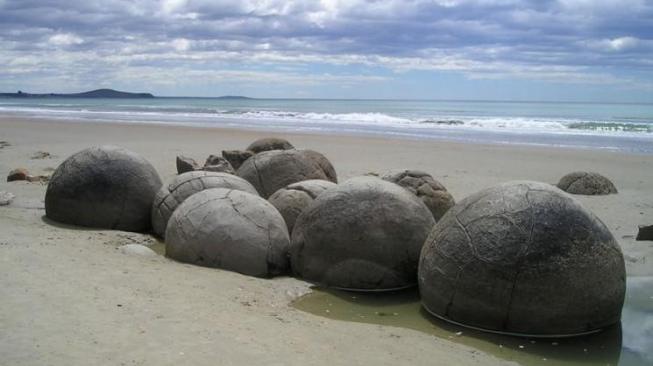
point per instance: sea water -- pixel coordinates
(609, 126)
(629, 343)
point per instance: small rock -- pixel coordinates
(137, 250)
(4, 144)
(17, 174)
(6, 198)
(38, 178)
(236, 157)
(42, 155)
(185, 164)
(645, 232)
(215, 163)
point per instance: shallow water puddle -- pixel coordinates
(159, 247)
(631, 343)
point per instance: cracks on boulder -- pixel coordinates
(235, 208)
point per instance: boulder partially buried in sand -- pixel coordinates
(229, 229)
(526, 258)
(587, 183)
(294, 198)
(103, 187)
(364, 234)
(236, 157)
(272, 170)
(430, 191)
(181, 187)
(268, 144)
(215, 163)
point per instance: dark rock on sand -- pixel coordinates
(423, 185)
(645, 232)
(587, 183)
(184, 185)
(103, 187)
(294, 198)
(268, 144)
(363, 234)
(17, 174)
(215, 163)
(523, 257)
(236, 157)
(229, 229)
(41, 155)
(270, 171)
(186, 164)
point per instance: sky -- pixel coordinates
(562, 50)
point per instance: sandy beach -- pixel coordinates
(70, 297)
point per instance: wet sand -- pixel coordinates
(70, 297)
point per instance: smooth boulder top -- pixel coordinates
(103, 187)
(272, 170)
(294, 198)
(364, 234)
(587, 183)
(268, 144)
(526, 258)
(231, 230)
(423, 185)
(181, 187)
(323, 162)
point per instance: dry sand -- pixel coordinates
(70, 297)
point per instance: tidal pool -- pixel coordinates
(629, 343)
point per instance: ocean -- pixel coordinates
(607, 126)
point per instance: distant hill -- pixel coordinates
(233, 97)
(99, 93)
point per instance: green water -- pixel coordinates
(629, 343)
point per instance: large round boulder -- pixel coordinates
(268, 144)
(231, 230)
(323, 162)
(588, 183)
(364, 234)
(523, 257)
(270, 171)
(294, 198)
(103, 187)
(430, 191)
(185, 185)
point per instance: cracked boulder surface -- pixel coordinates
(170, 196)
(523, 257)
(434, 195)
(364, 234)
(269, 144)
(294, 198)
(231, 230)
(587, 183)
(104, 187)
(270, 171)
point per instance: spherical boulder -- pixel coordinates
(294, 198)
(103, 187)
(587, 183)
(323, 162)
(170, 196)
(229, 229)
(430, 191)
(270, 171)
(526, 258)
(268, 144)
(364, 234)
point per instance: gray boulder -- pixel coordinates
(170, 196)
(364, 234)
(523, 257)
(268, 144)
(236, 157)
(186, 164)
(270, 171)
(587, 183)
(294, 198)
(103, 187)
(430, 191)
(323, 162)
(229, 229)
(215, 163)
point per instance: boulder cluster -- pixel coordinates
(521, 257)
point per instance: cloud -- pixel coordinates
(579, 40)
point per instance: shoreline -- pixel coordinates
(72, 298)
